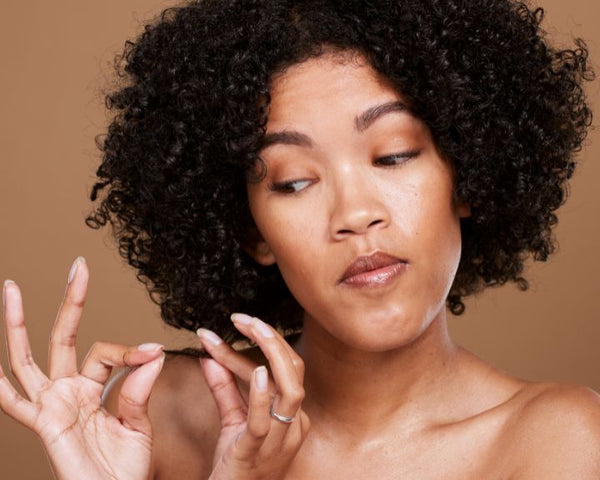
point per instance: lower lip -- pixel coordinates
(376, 278)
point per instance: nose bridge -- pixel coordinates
(357, 205)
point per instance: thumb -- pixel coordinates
(134, 395)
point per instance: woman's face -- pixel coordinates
(357, 205)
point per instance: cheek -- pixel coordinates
(285, 229)
(296, 236)
(439, 237)
(290, 231)
(430, 226)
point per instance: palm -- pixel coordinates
(64, 408)
(71, 419)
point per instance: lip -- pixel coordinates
(373, 270)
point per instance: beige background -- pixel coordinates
(55, 62)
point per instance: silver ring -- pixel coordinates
(280, 418)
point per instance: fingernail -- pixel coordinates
(263, 329)
(161, 360)
(149, 347)
(78, 261)
(209, 336)
(6, 284)
(261, 378)
(241, 318)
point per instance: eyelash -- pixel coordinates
(287, 187)
(397, 159)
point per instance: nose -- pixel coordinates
(357, 208)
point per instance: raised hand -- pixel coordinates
(64, 408)
(259, 437)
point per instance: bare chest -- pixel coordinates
(446, 454)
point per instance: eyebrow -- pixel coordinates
(366, 119)
(286, 138)
(361, 123)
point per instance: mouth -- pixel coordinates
(373, 270)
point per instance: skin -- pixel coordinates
(376, 386)
(64, 407)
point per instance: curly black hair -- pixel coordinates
(504, 106)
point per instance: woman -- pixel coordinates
(342, 170)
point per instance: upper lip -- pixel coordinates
(367, 263)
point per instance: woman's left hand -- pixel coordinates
(261, 436)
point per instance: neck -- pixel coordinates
(364, 390)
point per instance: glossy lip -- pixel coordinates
(373, 270)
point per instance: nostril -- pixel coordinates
(349, 231)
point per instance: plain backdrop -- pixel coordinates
(55, 65)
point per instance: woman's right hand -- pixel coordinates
(64, 408)
(254, 444)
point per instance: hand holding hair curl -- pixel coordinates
(64, 407)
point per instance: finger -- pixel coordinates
(287, 380)
(134, 395)
(294, 436)
(243, 319)
(24, 368)
(14, 404)
(103, 357)
(62, 357)
(259, 421)
(241, 366)
(221, 382)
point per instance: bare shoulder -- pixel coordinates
(185, 421)
(554, 432)
(569, 410)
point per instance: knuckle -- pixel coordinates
(130, 401)
(126, 354)
(68, 340)
(97, 346)
(229, 415)
(12, 398)
(25, 361)
(296, 394)
(219, 385)
(258, 432)
(298, 364)
(75, 302)
(136, 416)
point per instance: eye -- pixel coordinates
(396, 158)
(292, 186)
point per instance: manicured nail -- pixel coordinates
(6, 284)
(241, 318)
(149, 347)
(263, 329)
(161, 360)
(209, 336)
(78, 261)
(261, 378)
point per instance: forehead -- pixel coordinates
(343, 81)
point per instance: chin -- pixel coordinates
(380, 344)
(383, 331)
